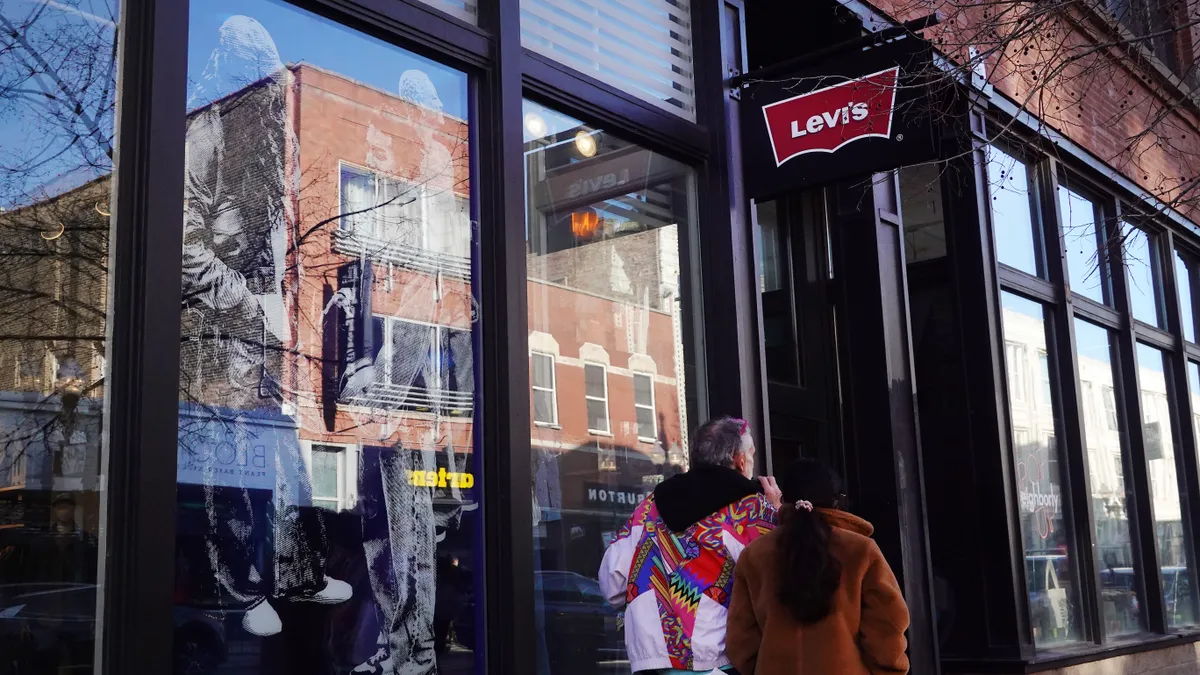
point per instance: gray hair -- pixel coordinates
(719, 441)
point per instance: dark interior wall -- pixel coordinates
(782, 29)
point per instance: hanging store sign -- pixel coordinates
(850, 115)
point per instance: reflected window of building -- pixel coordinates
(1017, 365)
(1170, 521)
(1017, 234)
(1119, 571)
(59, 100)
(609, 230)
(1141, 249)
(922, 212)
(641, 47)
(328, 479)
(545, 398)
(1054, 593)
(1082, 240)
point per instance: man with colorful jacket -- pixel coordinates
(671, 566)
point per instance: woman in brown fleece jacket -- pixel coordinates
(816, 597)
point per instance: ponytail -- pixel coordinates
(810, 573)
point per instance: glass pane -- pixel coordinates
(543, 371)
(1170, 522)
(58, 103)
(324, 473)
(543, 407)
(1050, 569)
(769, 246)
(642, 47)
(645, 422)
(1012, 220)
(1184, 279)
(595, 381)
(922, 212)
(1143, 287)
(643, 394)
(302, 331)
(1119, 573)
(1085, 265)
(608, 226)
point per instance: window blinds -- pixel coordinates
(643, 47)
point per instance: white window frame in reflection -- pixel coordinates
(607, 431)
(1018, 374)
(552, 390)
(1111, 419)
(653, 436)
(340, 500)
(437, 398)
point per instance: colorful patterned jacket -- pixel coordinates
(675, 586)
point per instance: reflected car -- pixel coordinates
(48, 625)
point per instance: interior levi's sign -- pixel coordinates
(829, 118)
(856, 113)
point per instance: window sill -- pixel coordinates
(1066, 656)
(650, 441)
(602, 434)
(548, 425)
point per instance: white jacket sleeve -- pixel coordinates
(614, 569)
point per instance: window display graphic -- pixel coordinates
(328, 513)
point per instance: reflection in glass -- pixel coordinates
(1012, 219)
(1184, 269)
(606, 246)
(770, 246)
(922, 213)
(327, 503)
(1050, 575)
(58, 103)
(1085, 264)
(1169, 520)
(1121, 586)
(1139, 262)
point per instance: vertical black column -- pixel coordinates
(142, 387)
(883, 457)
(510, 635)
(728, 279)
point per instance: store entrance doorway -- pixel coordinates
(798, 316)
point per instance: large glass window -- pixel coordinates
(922, 212)
(58, 99)
(608, 225)
(642, 47)
(1121, 585)
(1016, 233)
(1170, 522)
(1144, 298)
(1086, 269)
(1050, 576)
(328, 506)
(1185, 271)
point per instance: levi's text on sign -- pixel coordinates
(827, 119)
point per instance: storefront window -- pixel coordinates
(641, 47)
(1050, 575)
(58, 100)
(1140, 249)
(1121, 585)
(328, 497)
(1013, 226)
(1185, 269)
(1085, 262)
(922, 212)
(1170, 523)
(607, 226)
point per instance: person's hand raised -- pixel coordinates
(771, 490)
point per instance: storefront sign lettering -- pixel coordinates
(828, 119)
(441, 479)
(1032, 502)
(599, 495)
(587, 186)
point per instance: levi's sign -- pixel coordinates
(828, 119)
(844, 118)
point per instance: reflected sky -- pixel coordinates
(1091, 341)
(1011, 219)
(1183, 279)
(1141, 275)
(1079, 239)
(303, 36)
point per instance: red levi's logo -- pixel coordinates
(827, 119)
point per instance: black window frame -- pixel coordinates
(147, 234)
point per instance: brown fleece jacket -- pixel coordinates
(863, 635)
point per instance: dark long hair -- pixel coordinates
(810, 574)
